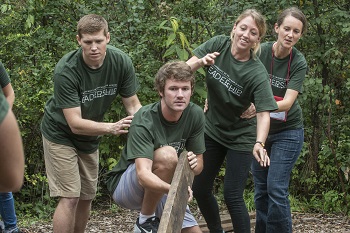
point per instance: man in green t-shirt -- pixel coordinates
(86, 82)
(158, 134)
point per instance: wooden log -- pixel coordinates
(226, 222)
(175, 206)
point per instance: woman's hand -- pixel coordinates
(260, 155)
(250, 112)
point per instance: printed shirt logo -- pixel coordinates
(278, 82)
(179, 146)
(99, 92)
(224, 79)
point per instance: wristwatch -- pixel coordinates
(261, 143)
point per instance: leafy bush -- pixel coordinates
(36, 34)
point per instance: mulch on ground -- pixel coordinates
(123, 221)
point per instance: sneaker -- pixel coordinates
(150, 226)
(16, 230)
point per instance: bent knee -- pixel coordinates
(165, 157)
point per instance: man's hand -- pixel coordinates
(192, 160)
(122, 126)
(190, 194)
(250, 112)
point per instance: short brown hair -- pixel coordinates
(175, 70)
(92, 23)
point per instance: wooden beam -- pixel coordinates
(175, 206)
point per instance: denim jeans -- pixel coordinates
(271, 183)
(237, 170)
(7, 211)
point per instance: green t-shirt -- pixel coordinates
(232, 86)
(298, 69)
(4, 81)
(150, 131)
(4, 107)
(4, 77)
(93, 90)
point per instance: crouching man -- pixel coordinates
(159, 132)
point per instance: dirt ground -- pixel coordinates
(123, 221)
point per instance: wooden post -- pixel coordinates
(175, 206)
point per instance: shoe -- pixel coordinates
(150, 226)
(16, 230)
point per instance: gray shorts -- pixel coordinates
(129, 194)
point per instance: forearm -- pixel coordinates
(195, 63)
(132, 104)
(92, 128)
(149, 180)
(263, 126)
(82, 126)
(11, 155)
(132, 110)
(11, 99)
(9, 94)
(198, 169)
(288, 100)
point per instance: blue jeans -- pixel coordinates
(273, 212)
(237, 170)
(7, 211)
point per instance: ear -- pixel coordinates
(78, 39)
(108, 37)
(160, 94)
(276, 27)
(234, 27)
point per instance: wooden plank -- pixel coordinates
(225, 222)
(175, 206)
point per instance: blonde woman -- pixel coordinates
(235, 78)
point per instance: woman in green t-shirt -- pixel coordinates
(235, 80)
(287, 69)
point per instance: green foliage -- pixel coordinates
(35, 34)
(327, 202)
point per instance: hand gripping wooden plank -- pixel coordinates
(175, 205)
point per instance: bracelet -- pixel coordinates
(261, 143)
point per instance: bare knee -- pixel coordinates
(69, 202)
(165, 158)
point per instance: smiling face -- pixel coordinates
(175, 98)
(94, 46)
(289, 32)
(245, 35)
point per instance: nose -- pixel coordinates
(180, 93)
(93, 46)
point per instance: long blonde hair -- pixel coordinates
(260, 23)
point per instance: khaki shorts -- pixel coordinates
(70, 173)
